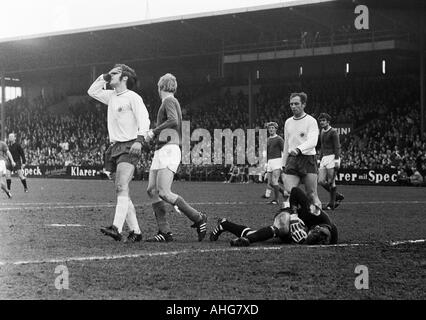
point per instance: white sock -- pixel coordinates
(131, 219)
(268, 192)
(121, 212)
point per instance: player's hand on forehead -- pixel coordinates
(115, 70)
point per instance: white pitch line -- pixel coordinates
(41, 206)
(65, 225)
(395, 243)
(186, 251)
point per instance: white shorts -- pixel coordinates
(2, 167)
(274, 164)
(168, 156)
(328, 162)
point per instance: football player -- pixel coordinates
(19, 157)
(274, 155)
(128, 123)
(330, 160)
(301, 223)
(5, 156)
(166, 161)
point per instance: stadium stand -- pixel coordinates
(386, 123)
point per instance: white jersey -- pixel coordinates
(301, 133)
(127, 114)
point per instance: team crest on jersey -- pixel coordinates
(302, 134)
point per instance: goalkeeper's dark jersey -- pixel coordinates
(18, 154)
(301, 201)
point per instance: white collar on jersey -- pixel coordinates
(119, 94)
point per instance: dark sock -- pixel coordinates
(9, 182)
(282, 190)
(236, 229)
(189, 211)
(326, 187)
(24, 183)
(276, 192)
(261, 235)
(160, 215)
(333, 196)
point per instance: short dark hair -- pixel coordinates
(132, 78)
(320, 234)
(303, 96)
(325, 116)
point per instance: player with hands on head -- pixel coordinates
(128, 123)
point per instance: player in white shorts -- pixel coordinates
(274, 155)
(330, 160)
(165, 163)
(5, 155)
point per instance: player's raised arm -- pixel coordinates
(97, 90)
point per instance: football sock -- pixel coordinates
(189, 211)
(160, 215)
(333, 196)
(276, 192)
(282, 190)
(24, 183)
(326, 187)
(9, 182)
(236, 229)
(3, 187)
(268, 193)
(131, 219)
(121, 212)
(261, 235)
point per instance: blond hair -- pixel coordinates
(167, 83)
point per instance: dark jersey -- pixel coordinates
(330, 143)
(301, 201)
(275, 147)
(17, 153)
(169, 117)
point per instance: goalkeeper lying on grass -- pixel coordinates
(302, 223)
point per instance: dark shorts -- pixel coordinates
(301, 165)
(117, 153)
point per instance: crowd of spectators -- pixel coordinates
(386, 121)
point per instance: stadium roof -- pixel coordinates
(193, 35)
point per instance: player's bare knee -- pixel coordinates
(121, 188)
(322, 182)
(164, 195)
(151, 192)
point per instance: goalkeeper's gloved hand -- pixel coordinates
(298, 230)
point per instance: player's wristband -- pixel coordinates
(298, 151)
